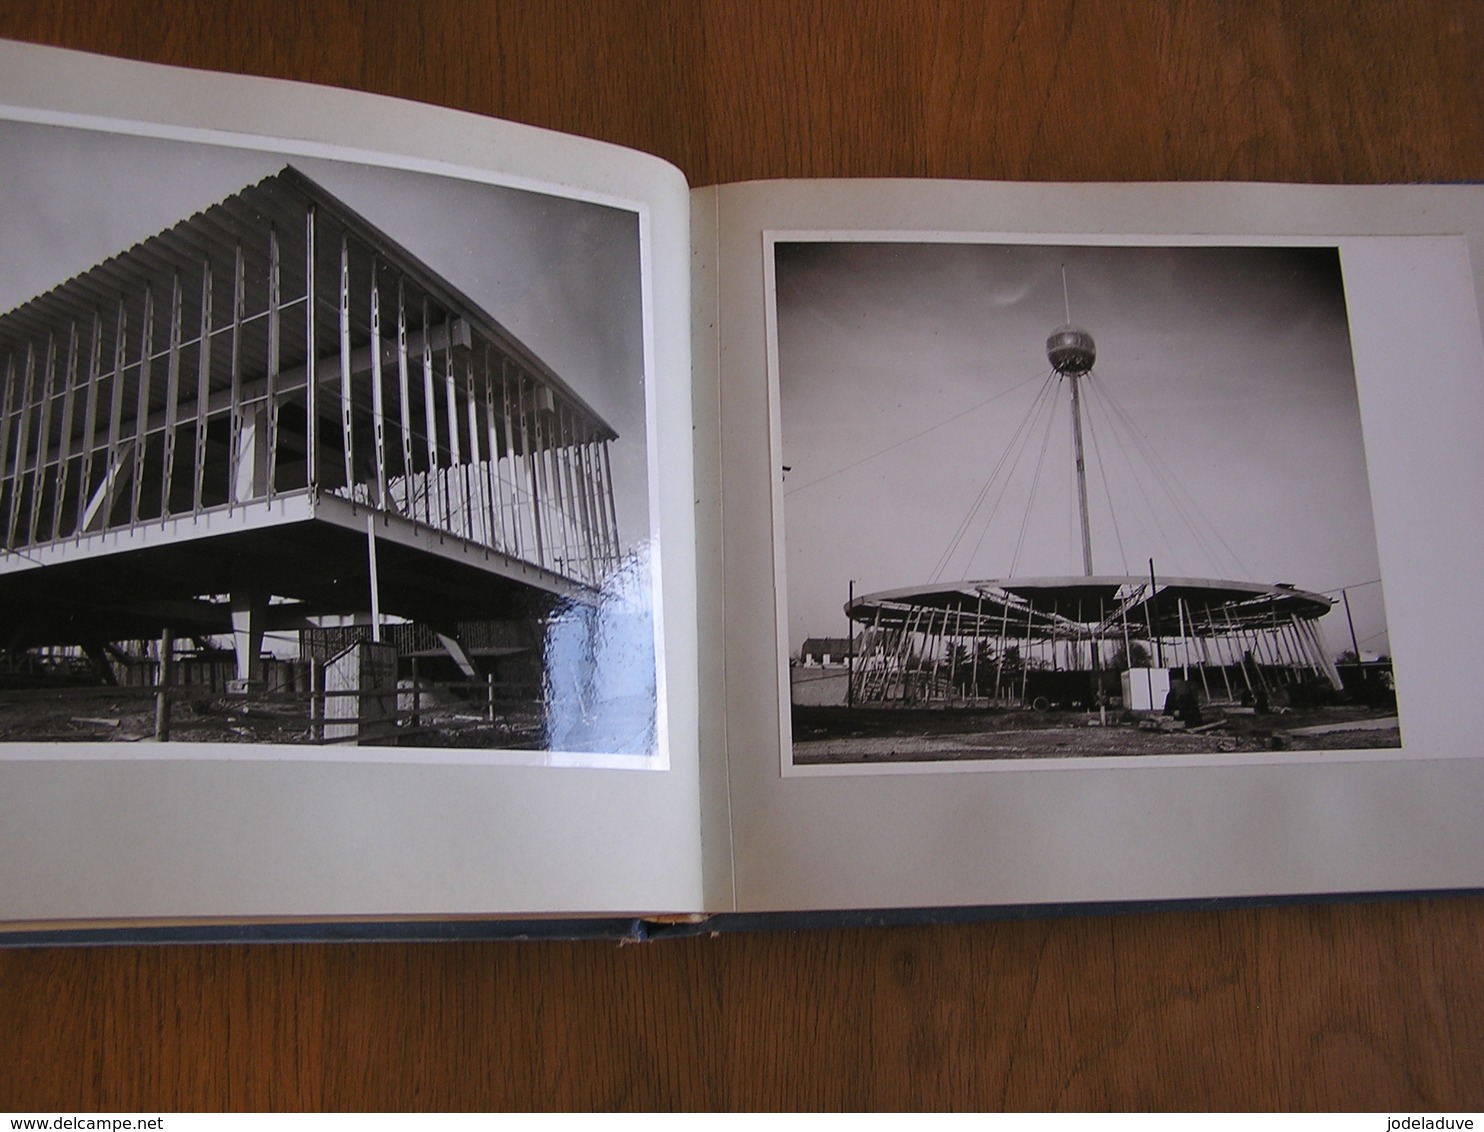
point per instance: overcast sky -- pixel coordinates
(905, 371)
(562, 275)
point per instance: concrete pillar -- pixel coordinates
(251, 479)
(249, 611)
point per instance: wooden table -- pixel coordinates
(1375, 1005)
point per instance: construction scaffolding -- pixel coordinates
(271, 412)
(276, 344)
(1065, 641)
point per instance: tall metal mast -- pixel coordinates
(1081, 476)
(1072, 353)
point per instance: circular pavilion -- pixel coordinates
(1088, 640)
(1066, 641)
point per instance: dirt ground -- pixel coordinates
(835, 735)
(127, 715)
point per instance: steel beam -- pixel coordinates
(172, 395)
(18, 464)
(141, 416)
(271, 378)
(378, 395)
(311, 353)
(346, 415)
(64, 440)
(203, 390)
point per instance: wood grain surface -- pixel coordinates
(1368, 1005)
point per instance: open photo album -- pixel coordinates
(411, 518)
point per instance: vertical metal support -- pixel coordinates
(480, 531)
(107, 490)
(1321, 654)
(274, 361)
(43, 431)
(1233, 636)
(141, 419)
(540, 504)
(1297, 649)
(558, 486)
(1159, 651)
(590, 508)
(346, 415)
(404, 403)
(1189, 627)
(592, 459)
(43, 436)
(162, 686)
(1350, 622)
(203, 390)
(1298, 652)
(978, 639)
(316, 701)
(556, 489)
(311, 359)
(1225, 660)
(499, 537)
(879, 640)
(430, 424)
(1081, 475)
(1025, 658)
(493, 520)
(1279, 647)
(935, 650)
(378, 408)
(999, 667)
(21, 444)
(374, 579)
(417, 717)
(517, 541)
(579, 497)
(531, 481)
(455, 451)
(955, 647)
(172, 396)
(1262, 649)
(64, 438)
(234, 444)
(612, 506)
(571, 504)
(1308, 648)
(89, 422)
(1300, 648)
(587, 474)
(556, 536)
(7, 484)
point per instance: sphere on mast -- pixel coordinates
(1071, 350)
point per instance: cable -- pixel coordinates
(1035, 483)
(907, 439)
(1181, 500)
(1107, 489)
(1021, 429)
(1023, 435)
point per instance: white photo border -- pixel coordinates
(788, 768)
(658, 758)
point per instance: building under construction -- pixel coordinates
(271, 418)
(1070, 642)
(1089, 640)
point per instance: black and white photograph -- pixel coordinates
(296, 450)
(1072, 501)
